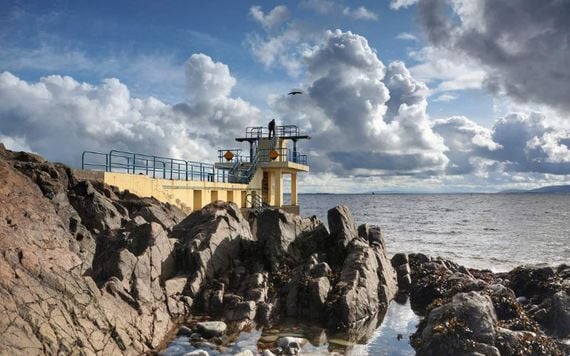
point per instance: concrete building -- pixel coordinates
(254, 181)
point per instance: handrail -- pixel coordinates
(166, 167)
(281, 131)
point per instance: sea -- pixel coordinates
(485, 231)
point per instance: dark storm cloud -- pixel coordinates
(523, 44)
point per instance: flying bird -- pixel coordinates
(295, 92)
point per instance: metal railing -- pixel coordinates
(280, 131)
(283, 155)
(256, 202)
(237, 155)
(155, 166)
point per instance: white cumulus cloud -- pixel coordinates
(272, 19)
(60, 117)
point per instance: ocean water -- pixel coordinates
(492, 231)
(488, 231)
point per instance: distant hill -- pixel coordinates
(548, 189)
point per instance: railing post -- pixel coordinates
(171, 168)
(153, 167)
(134, 163)
(186, 169)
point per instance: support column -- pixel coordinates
(278, 193)
(294, 188)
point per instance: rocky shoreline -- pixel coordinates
(88, 269)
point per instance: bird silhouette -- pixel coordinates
(295, 92)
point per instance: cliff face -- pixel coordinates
(87, 269)
(52, 229)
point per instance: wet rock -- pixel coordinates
(532, 281)
(291, 345)
(356, 296)
(559, 314)
(184, 331)
(210, 329)
(465, 324)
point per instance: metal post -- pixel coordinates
(250, 151)
(186, 162)
(171, 167)
(134, 163)
(294, 150)
(153, 167)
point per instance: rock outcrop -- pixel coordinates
(476, 312)
(87, 268)
(80, 272)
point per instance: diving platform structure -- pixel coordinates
(252, 178)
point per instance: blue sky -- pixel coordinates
(258, 51)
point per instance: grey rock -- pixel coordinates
(399, 259)
(321, 269)
(288, 238)
(559, 314)
(184, 331)
(356, 297)
(209, 240)
(472, 310)
(210, 329)
(342, 232)
(291, 345)
(373, 234)
(240, 311)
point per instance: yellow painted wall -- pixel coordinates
(187, 195)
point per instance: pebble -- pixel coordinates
(184, 331)
(211, 328)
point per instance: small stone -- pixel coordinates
(195, 337)
(267, 353)
(211, 328)
(245, 353)
(291, 345)
(184, 331)
(197, 353)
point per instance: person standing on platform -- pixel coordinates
(271, 127)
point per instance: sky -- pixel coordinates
(398, 95)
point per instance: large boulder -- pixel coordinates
(209, 240)
(287, 238)
(75, 261)
(360, 293)
(559, 314)
(465, 324)
(343, 231)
